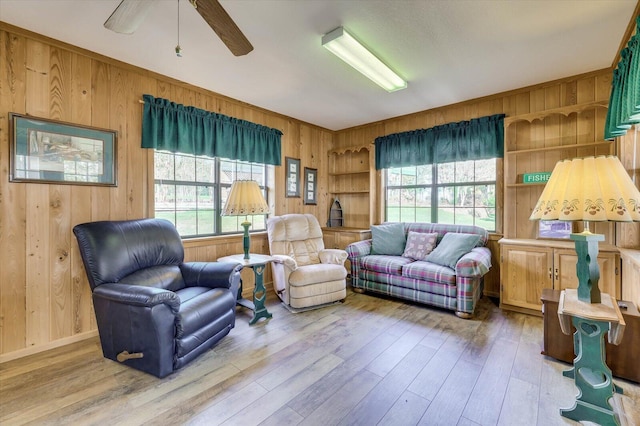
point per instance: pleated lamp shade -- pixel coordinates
(245, 198)
(591, 189)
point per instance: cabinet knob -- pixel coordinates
(556, 274)
(550, 274)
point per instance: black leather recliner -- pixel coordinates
(155, 312)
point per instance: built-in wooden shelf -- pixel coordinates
(357, 172)
(565, 111)
(344, 150)
(597, 144)
(361, 191)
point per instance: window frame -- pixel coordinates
(218, 190)
(434, 187)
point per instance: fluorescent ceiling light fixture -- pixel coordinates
(346, 47)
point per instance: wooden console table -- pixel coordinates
(622, 358)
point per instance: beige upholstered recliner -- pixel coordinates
(305, 273)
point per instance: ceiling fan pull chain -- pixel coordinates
(178, 48)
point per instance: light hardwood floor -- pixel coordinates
(368, 361)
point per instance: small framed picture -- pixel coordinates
(554, 229)
(310, 186)
(292, 177)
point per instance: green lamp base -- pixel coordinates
(246, 239)
(587, 269)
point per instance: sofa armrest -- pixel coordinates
(287, 261)
(210, 274)
(476, 263)
(335, 256)
(137, 295)
(359, 249)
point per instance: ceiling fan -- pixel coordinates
(129, 14)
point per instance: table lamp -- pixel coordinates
(591, 189)
(245, 199)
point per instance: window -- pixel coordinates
(459, 193)
(191, 190)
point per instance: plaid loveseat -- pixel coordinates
(457, 289)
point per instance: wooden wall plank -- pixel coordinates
(13, 313)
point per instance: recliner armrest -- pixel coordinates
(288, 261)
(209, 274)
(137, 295)
(335, 256)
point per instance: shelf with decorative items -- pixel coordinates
(534, 143)
(352, 181)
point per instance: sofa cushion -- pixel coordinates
(431, 272)
(388, 239)
(385, 264)
(451, 248)
(419, 244)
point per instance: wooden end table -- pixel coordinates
(257, 262)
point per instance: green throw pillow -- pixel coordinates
(451, 248)
(388, 239)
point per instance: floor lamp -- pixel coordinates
(591, 189)
(245, 198)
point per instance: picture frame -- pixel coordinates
(310, 186)
(51, 151)
(554, 229)
(292, 177)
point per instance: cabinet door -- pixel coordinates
(525, 271)
(565, 275)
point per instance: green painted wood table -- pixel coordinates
(590, 372)
(257, 262)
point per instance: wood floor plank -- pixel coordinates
(334, 409)
(407, 410)
(267, 405)
(513, 410)
(446, 408)
(379, 401)
(485, 401)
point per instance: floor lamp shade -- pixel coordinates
(591, 189)
(245, 198)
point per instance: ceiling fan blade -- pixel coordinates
(128, 16)
(220, 21)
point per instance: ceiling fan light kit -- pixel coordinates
(346, 47)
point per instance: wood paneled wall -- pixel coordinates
(44, 295)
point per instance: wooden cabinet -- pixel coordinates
(525, 271)
(352, 181)
(340, 238)
(530, 266)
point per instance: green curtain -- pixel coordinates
(624, 101)
(476, 139)
(178, 128)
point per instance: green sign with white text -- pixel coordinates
(539, 177)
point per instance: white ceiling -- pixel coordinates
(449, 51)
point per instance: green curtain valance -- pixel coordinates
(178, 128)
(476, 139)
(624, 101)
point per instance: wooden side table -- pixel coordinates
(257, 262)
